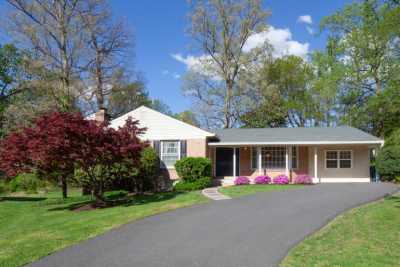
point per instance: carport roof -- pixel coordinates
(287, 136)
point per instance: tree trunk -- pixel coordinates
(100, 201)
(227, 104)
(86, 190)
(64, 187)
(98, 194)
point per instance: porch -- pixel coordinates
(325, 163)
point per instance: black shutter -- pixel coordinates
(183, 149)
(156, 146)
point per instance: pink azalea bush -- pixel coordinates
(242, 180)
(281, 179)
(262, 179)
(303, 179)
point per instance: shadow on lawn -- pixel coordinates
(22, 199)
(118, 202)
(394, 199)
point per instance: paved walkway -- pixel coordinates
(214, 194)
(251, 231)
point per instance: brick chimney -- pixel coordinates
(101, 116)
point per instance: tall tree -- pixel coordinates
(11, 72)
(188, 117)
(283, 94)
(52, 30)
(366, 38)
(221, 29)
(126, 97)
(107, 42)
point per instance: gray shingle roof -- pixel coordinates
(294, 135)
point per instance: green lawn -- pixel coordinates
(36, 225)
(242, 190)
(365, 236)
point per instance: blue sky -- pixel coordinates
(159, 29)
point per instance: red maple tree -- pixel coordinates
(61, 143)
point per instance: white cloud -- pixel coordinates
(306, 19)
(281, 42)
(201, 64)
(310, 30)
(171, 74)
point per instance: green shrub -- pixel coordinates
(149, 169)
(27, 182)
(118, 194)
(198, 184)
(388, 160)
(190, 169)
(4, 187)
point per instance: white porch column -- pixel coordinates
(290, 158)
(259, 160)
(234, 162)
(316, 164)
(287, 161)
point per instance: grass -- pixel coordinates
(34, 226)
(365, 236)
(242, 190)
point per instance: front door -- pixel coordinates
(224, 161)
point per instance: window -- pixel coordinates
(273, 157)
(295, 157)
(170, 153)
(338, 159)
(345, 159)
(254, 158)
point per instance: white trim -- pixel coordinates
(338, 158)
(259, 160)
(297, 143)
(160, 126)
(345, 180)
(164, 166)
(251, 157)
(316, 164)
(234, 162)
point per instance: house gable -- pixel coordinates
(160, 126)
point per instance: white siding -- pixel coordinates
(160, 126)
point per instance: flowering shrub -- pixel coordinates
(263, 179)
(303, 179)
(281, 179)
(242, 180)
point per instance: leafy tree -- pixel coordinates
(11, 72)
(107, 154)
(108, 43)
(365, 37)
(283, 94)
(61, 143)
(221, 29)
(50, 147)
(126, 97)
(53, 31)
(188, 117)
(385, 109)
(162, 107)
(388, 159)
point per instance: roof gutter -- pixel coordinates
(377, 142)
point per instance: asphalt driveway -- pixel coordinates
(251, 231)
